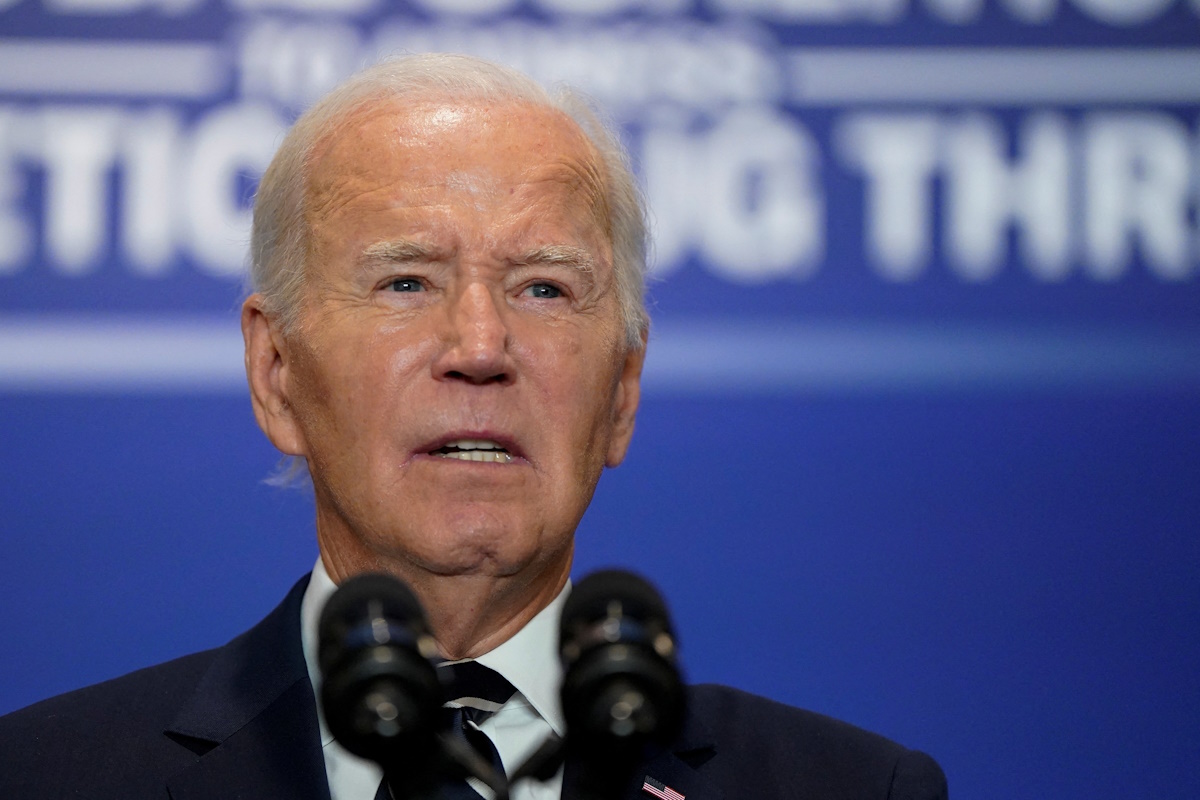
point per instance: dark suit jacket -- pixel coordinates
(239, 722)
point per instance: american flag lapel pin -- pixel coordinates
(660, 789)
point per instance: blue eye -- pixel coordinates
(543, 291)
(406, 285)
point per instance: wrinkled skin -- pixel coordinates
(460, 285)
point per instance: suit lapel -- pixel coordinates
(676, 767)
(672, 771)
(253, 720)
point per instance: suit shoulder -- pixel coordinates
(124, 737)
(131, 695)
(804, 752)
(734, 713)
(119, 721)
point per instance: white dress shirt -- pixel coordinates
(529, 661)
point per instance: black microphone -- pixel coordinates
(622, 689)
(380, 693)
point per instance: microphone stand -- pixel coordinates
(469, 761)
(543, 762)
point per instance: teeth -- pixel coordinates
(491, 456)
(481, 450)
(474, 444)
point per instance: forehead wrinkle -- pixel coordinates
(324, 194)
(469, 181)
(572, 164)
(579, 175)
(584, 188)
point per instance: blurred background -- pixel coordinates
(920, 439)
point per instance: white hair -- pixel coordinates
(279, 241)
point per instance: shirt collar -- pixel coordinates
(320, 588)
(529, 660)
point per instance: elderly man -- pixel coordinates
(448, 332)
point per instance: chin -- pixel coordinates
(479, 547)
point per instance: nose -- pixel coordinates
(477, 340)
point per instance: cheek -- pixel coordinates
(577, 383)
(324, 416)
(381, 383)
(347, 387)
(554, 359)
(401, 352)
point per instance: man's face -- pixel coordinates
(459, 376)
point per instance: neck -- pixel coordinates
(472, 615)
(469, 614)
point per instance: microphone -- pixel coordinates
(621, 687)
(380, 693)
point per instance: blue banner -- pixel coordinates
(919, 443)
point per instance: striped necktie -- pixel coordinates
(472, 693)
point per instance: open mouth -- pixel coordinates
(483, 450)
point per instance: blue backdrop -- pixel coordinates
(920, 441)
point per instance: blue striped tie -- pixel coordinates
(472, 693)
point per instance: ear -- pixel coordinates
(267, 371)
(629, 393)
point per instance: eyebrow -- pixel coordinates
(403, 251)
(398, 250)
(566, 255)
